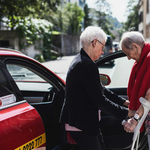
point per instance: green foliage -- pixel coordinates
(132, 20)
(37, 32)
(75, 15)
(102, 20)
(116, 24)
(15, 10)
(60, 20)
(39, 57)
(30, 30)
(87, 19)
(103, 6)
(68, 19)
(27, 8)
(47, 46)
(120, 31)
(100, 16)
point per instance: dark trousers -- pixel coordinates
(88, 142)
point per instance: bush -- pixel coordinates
(39, 57)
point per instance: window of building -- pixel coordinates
(4, 43)
(148, 6)
(141, 17)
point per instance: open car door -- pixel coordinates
(114, 135)
(41, 89)
(20, 123)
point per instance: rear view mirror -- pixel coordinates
(105, 79)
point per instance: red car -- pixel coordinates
(31, 98)
(25, 126)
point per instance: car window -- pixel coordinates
(27, 79)
(6, 93)
(119, 72)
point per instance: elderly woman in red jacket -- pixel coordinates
(135, 47)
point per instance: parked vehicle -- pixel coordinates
(108, 48)
(32, 117)
(29, 80)
(116, 46)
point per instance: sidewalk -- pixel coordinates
(59, 66)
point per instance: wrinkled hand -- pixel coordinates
(126, 103)
(147, 96)
(129, 125)
(131, 113)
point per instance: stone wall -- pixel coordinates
(70, 44)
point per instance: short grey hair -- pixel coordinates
(132, 37)
(91, 33)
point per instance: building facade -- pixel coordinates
(144, 19)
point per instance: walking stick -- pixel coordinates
(146, 106)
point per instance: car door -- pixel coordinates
(114, 135)
(42, 89)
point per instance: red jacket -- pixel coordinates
(139, 81)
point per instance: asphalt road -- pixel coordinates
(59, 66)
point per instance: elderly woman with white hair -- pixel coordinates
(134, 46)
(85, 95)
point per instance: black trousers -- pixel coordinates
(88, 142)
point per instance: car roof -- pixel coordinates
(7, 51)
(12, 52)
(108, 35)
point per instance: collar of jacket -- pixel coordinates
(82, 51)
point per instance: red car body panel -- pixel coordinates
(21, 127)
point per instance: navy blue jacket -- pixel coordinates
(85, 95)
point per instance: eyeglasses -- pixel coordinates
(100, 43)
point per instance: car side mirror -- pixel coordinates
(105, 79)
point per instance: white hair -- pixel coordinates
(132, 37)
(91, 33)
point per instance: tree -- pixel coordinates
(87, 19)
(15, 10)
(103, 6)
(60, 19)
(100, 16)
(104, 22)
(21, 16)
(132, 19)
(69, 19)
(32, 31)
(75, 15)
